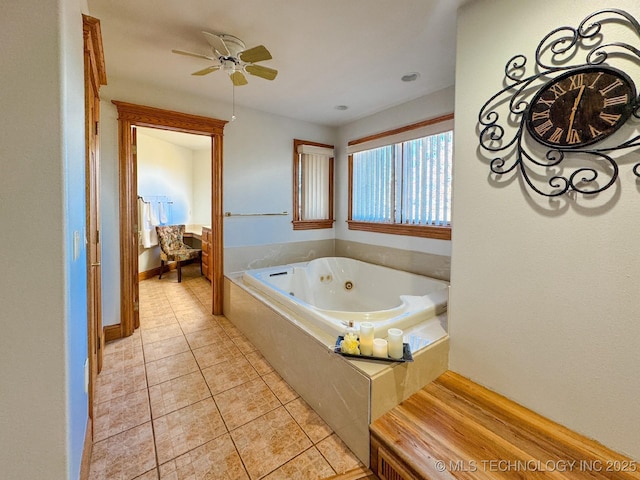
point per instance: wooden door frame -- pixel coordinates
(131, 115)
(94, 77)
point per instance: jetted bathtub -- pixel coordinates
(333, 291)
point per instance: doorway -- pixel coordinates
(174, 188)
(129, 117)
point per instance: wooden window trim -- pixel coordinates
(298, 223)
(423, 231)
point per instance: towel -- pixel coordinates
(163, 213)
(148, 235)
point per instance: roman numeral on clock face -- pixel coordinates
(573, 137)
(594, 131)
(576, 81)
(610, 118)
(540, 115)
(610, 87)
(557, 135)
(621, 100)
(544, 127)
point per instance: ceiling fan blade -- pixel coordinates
(206, 71)
(260, 71)
(238, 79)
(191, 54)
(255, 54)
(216, 43)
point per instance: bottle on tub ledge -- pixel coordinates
(350, 343)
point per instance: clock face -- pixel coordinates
(581, 107)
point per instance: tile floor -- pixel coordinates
(189, 397)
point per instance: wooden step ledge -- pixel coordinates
(456, 429)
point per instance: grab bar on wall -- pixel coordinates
(229, 214)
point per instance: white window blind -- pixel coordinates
(314, 182)
(405, 183)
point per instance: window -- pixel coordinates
(312, 185)
(400, 181)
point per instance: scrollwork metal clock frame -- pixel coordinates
(563, 45)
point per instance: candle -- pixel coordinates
(394, 337)
(366, 338)
(380, 348)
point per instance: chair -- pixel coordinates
(173, 249)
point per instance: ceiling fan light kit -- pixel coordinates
(230, 54)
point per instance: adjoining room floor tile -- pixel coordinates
(120, 414)
(229, 374)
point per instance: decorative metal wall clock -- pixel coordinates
(567, 108)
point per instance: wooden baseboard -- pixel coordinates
(87, 449)
(112, 332)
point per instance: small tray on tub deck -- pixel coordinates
(406, 353)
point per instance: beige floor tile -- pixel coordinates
(170, 367)
(259, 363)
(120, 414)
(167, 318)
(315, 428)
(269, 442)
(177, 393)
(243, 344)
(165, 348)
(150, 475)
(338, 454)
(281, 388)
(228, 374)
(309, 465)
(154, 309)
(213, 334)
(216, 353)
(112, 385)
(122, 358)
(229, 327)
(246, 402)
(215, 460)
(121, 344)
(124, 456)
(196, 323)
(161, 333)
(178, 432)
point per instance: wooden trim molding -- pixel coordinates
(298, 223)
(406, 128)
(112, 332)
(87, 450)
(424, 231)
(131, 115)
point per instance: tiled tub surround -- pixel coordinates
(347, 393)
(188, 396)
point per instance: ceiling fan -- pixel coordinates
(231, 55)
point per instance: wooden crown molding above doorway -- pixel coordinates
(131, 115)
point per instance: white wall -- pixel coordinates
(201, 187)
(43, 407)
(544, 298)
(429, 106)
(165, 170)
